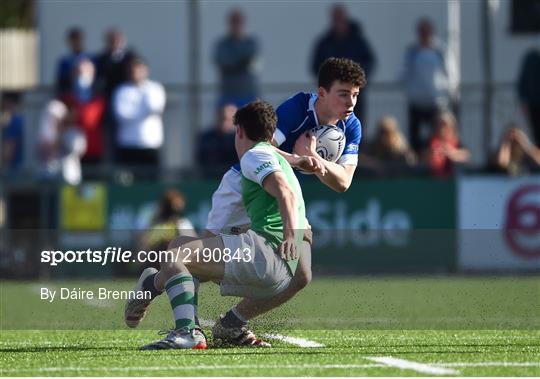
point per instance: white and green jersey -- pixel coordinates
(262, 208)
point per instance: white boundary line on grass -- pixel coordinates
(404, 364)
(301, 342)
(490, 364)
(248, 366)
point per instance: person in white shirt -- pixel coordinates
(61, 144)
(138, 106)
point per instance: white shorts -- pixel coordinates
(260, 272)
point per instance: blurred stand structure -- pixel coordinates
(12, 132)
(176, 160)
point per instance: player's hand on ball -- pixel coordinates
(287, 250)
(306, 144)
(310, 164)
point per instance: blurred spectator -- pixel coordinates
(169, 222)
(529, 90)
(426, 83)
(66, 64)
(215, 147)
(389, 148)
(112, 64)
(445, 150)
(111, 72)
(517, 155)
(138, 105)
(345, 39)
(12, 126)
(61, 144)
(89, 108)
(236, 56)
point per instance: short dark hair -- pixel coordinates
(258, 119)
(343, 70)
(75, 32)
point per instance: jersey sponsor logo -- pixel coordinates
(263, 167)
(352, 148)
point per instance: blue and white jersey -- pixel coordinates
(297, 115)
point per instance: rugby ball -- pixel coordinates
(330, 141)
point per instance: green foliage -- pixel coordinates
(18, 14)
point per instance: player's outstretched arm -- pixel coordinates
(303, 162)
(276, 185)
(338, 177)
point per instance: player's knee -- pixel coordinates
(301, 280)
(174, 263)
(305, 279)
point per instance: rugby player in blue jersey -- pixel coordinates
(339, 82)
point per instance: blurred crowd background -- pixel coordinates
(97, 112)
(130, 92)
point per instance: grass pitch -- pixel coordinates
(360, 327)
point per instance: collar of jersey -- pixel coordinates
(261, 143)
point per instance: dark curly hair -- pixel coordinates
(258, 119)
(342, 69)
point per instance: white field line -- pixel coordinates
(415, 366)
(206, 323)
(222, 367)
(302, 342)
(490, 364)
(460, 339)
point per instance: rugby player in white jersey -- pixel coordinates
(339, 83)
(258, 263)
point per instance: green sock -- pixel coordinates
(181, 291)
